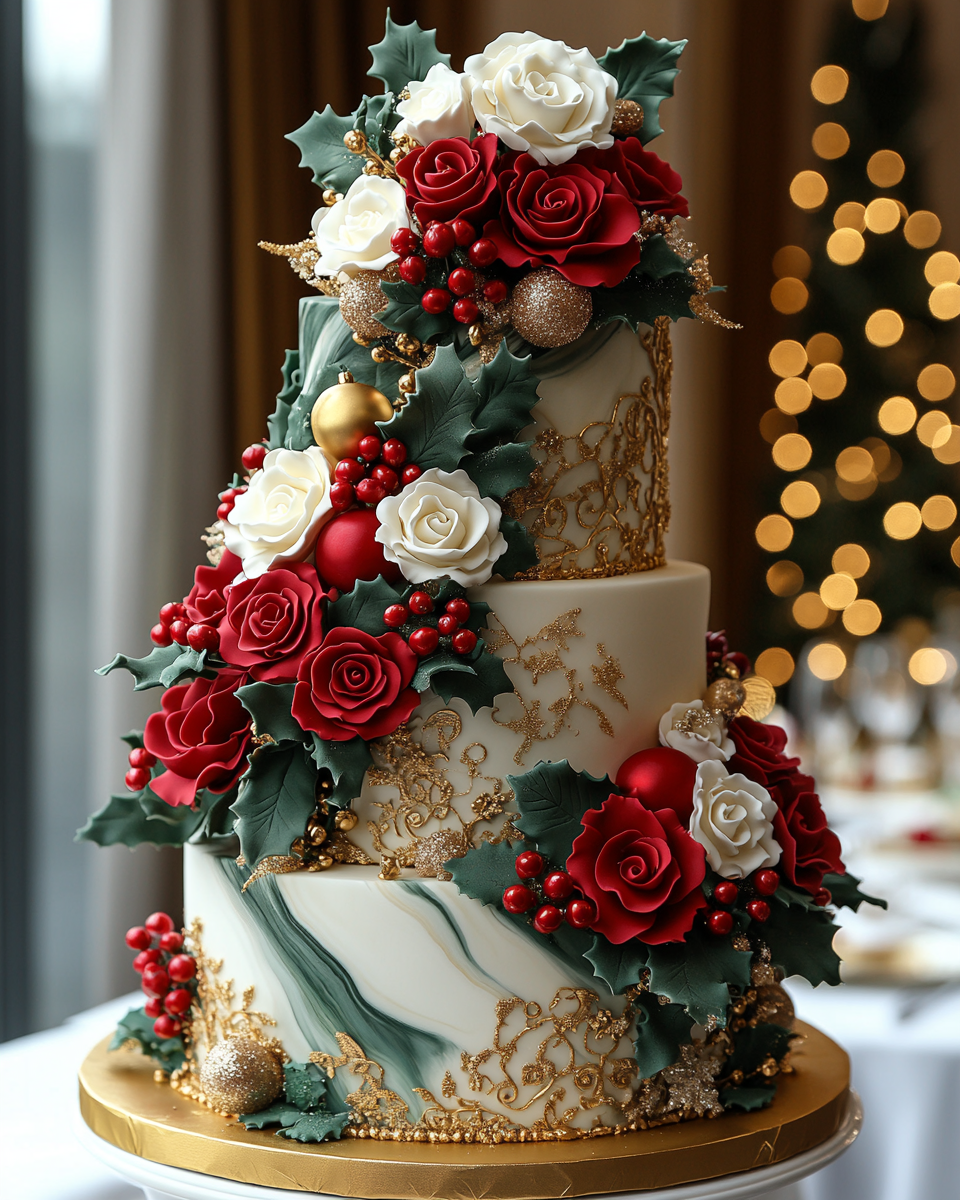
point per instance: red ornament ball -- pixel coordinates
(424, 641)
(421, 603)
(518, 899)
(496, 291)
(137, 779)
(138, 938)
(370, 447)
(166, 1027)
(349, 470)
(822, 897)
(160, 635)
(447, 624)
(720, 923)
(203, 637)
(435, 300)
(459, 609)
(252, 458)
(140, 756)
(370, 491)
(463, 231)
(144, 959)
(581, 914)
(396, 615)
(439, 240)
(483, 252)
(726, 892)
(341, 496)
(155, 980)
(178, 1001)
(548, 919)
(394, 452)
(170, 943)
(159, 923)
(660, 778)
(464, 641)
(759, 910)
(153, 1006)
(766, 881)
(461, 281)
(465, 311)
(347, 550)
(412, 270)
(557, 886)
(404, 242)
(181, 968)
(529, 864)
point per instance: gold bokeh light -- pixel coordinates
(826, 661)
(774, 533)
(830, 140)
(855, 464)
(792, 452)
(928, 666)
(850, 215)
(787, 358)
(789, 295)
(945, 301)
(845, 246)
(827, 380)
(942, 267)
(784, 578)
(882, 215)
(808, 190)
(791, 260)
(851, 559)
(800, 499)
(897, 415)
(884, 327)
(936, 382)
(824, 348)
(775, 664)
(938, 512)
(885, 168)
(838, 591)
(902, 521)
(930, 425)
(955, 552)
(809, 611)
(922, 229)
(946, 445)
(862, 618)
(829, 84)
(793, 395)
(870, 10)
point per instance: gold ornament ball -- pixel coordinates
(360, 298)
(726, 694)
(346, 819)
(627, 117)
(241, 1076)
(548, 310)
(345, 414)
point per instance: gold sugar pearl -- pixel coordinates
(627, 118)
(548, 310)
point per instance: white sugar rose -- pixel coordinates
(439, 107)
(541, 96)
(441, 525)
(696, 731)
(733, 821)
(354, 234)
(278, 517)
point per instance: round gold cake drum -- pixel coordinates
(123, 1105)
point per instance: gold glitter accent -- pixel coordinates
(622, 511)
(548, 310)
(360, 298)
(697, 720)
(627, 118)
(432, 852)
(240, 1075)
(213, 538)
(607, 674)
(761, 697)
(701, 309)
(371, 1103)
(303, 257)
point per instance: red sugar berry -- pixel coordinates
(348, 470)
(171, 942)
(137, 779)
(435, 300)
(548, 919)
(230, 494)
(459, 609)
(410, 474)
(166, 1027)
(529, 864)
(448, 624)
(424, 641)
(518, 899)
(461, 281)
(252, 458)
(822, 897)
(412, 269)
(203, 637)
(766, 882)
(139, 756)
(483, 252)
(386, 476)
(181, 968)
(155, 980)
(759, 910)
(160, 635)
(725, 892)
(396, 615)
(171, 611)
(159, 923)
(224, 510)
(439, 240)
(464, 641)
(465, 311)
(370, 491)
(581, 913)
(178, 1001)
(138, 938)
(145, 959)
(404, 242)
(495, 290)
(421, 603)
(557, 886)
(463, 231)
(178, 631)
(720, 923)
(394, 452)
(341, 496)
(370, 447)
(153, 1006)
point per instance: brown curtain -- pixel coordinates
(281, 59)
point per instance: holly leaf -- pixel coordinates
(521, 552)
(698, 973)
(189, 664)
(486, 872)
(363, 607)
(658, 260)
(501, 469)
(801, 943)
(640, 300)
(277, 422)
(123, 822)
(645, 69)
(406, 54)
(752, 1045)
(137, 1027)
(304, 1085)
(435, 424)
(618, 966)
(506, 393)
(217, 819)
(347, 763)
(316, 1126)
(405, 314)
(269, 704)
(845, 890)
(277, 795)
(320, 142)
(479, 688)
(134, 739)
(552, 799)
(661, 1030)
(749, 1099)
(439, 662)
(276, 1114)
(376, 116)
(145, 671)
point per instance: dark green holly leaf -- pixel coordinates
(552, 799)
(277, 422)
(658, 260)
(405, 55)
(487, 680)
(277, 795)
(754, 1044)
(134, 739)
(846, 893)
(645, 69)
(506, 392)
(363, 607)
(618, 966)
(137, 1027)
(320, 142)
(375, 117)
(347, 763)
(269, 704)
(276, 1114)
(501, 469)
(486, 872)
(435, 424)
(405, 314)
(521, 552)
(749, 1099)
(639, 300)
(217, 819)
(439, 662)
(188, 665)
(801, 943)
(304, 1085)
(122, 821)
(145, 671)
(661, 1030)
(699, 972)
(316, 1126)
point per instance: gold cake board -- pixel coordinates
(122, 1104)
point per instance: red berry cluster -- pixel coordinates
(432, 631)
(550, 892)
(173, 627)
(228, 499)
(764, 883)
(138, 776)
(380, 469)
(719, 655)
(440, 240)
(165, 972)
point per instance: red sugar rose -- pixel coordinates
(355, 685)
(272, 621)
(641, 869)
(206, 602)
(653, 185)
(201, 735)
(452, 178)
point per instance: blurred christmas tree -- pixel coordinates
(862, 526)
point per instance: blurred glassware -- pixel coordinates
(887, 702)
(830, 734)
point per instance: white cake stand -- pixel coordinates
(160, 1182)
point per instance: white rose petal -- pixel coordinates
(733, 821)
(706, 737)
(278, 517)
(541, 96)
(439, 107)
(441, 525)
(354, 234)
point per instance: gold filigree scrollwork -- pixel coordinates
(614, 521)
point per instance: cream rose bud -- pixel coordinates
(439, 107)
(278, 517)
(354, 234)
(696, 731)
(441, 525)
(733, 821)
(541, 96)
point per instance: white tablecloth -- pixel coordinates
(907, 1071)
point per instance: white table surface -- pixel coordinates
(907, 1071)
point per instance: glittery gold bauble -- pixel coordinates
(346, 819)
(345, 414)
(760, 699)
(548, 310)
(627, 117)
(360, 298)
(241, 1076)
(774, 1006)
(726, 694)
